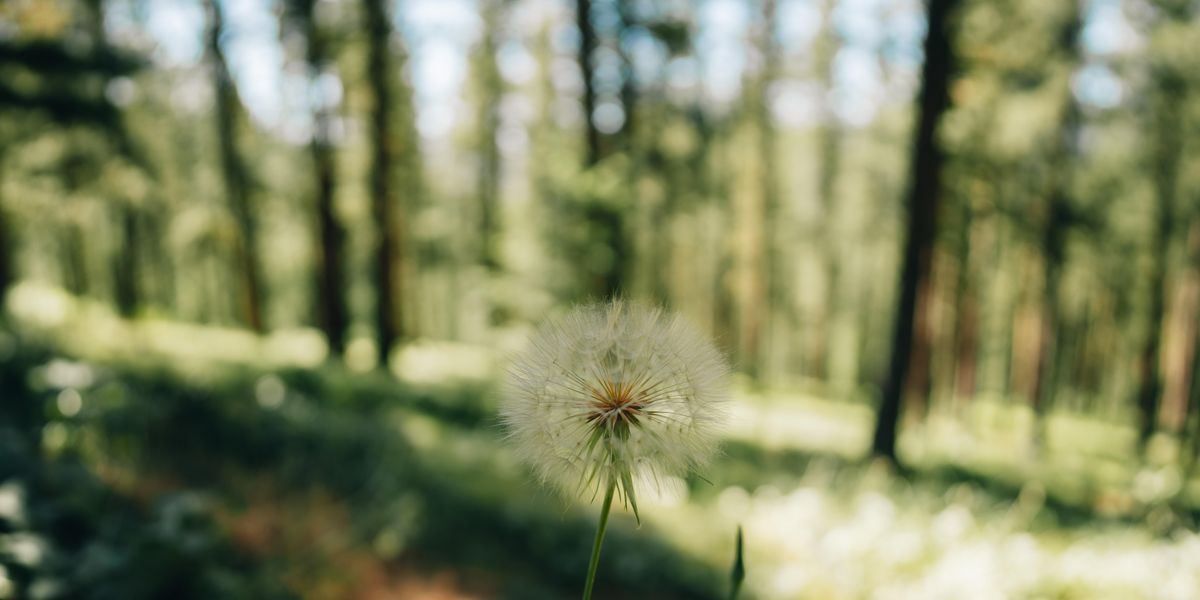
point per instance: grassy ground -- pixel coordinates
(154, 458)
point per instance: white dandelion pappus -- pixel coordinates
(610, 392)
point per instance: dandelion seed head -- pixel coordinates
(613, 392)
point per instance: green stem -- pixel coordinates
(595, 562)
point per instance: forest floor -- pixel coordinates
(343, 484)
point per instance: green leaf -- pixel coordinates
(627, 485)
(738, 574)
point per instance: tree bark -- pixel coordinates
(1187, 326)
(384, 205)
(159, 264)
(629, 89)
(330, 278)
(1167, 149)
(125, 267)
(233, 169)
(966, 330)
(125, 263)
(923, 202)
(763, 290)
(829, 153)
(1057, 219)
(607, 221)
(7, 274)
(587, 47)
(489, 124)
(768, 144)
(1192, 414)
(919, 383)
(75, 267)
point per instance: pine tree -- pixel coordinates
(923, 203)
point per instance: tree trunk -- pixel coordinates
(1057, 218)
(75, 267)
(488, 75)
(7, 273)
(919, 383)
(829, 153)
(607, 221)
(1042, 387)
(125, 262)
(763, 289)
(385, 207)
(330, 280)
(1187, 324)
(1167, 148)
(6, 270)
(629, 89)
(125, 267)
(768, 148)
(233, 170)
(724, 287)
(924, 199)
(966, 333)
(1193, 381)
(160, 264)
(587, 47)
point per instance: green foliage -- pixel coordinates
(589, 224)
(65, 532)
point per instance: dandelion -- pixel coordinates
(613, 393)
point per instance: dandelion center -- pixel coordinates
(616, 405)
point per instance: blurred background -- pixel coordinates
(263, 262)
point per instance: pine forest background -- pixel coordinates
(263, 262)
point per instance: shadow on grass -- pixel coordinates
(148, 451)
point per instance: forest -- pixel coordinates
(265, 266)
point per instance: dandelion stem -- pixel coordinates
(591, 576)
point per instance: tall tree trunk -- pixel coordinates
(492, 88)
(978, 235)
(160, 264)
(924, 199)
(629, 88)
(125, 267)
(829, 153)
(385, 206)
(1057, 218)
(664, 213)
(125, 262)
(330, 279)
(768, 148)
(763, 289)
(1042, 387)
(966, 331)
(587, 47)
(7, 274)
(724, 286)
(1192, 419)
(1166, 150)
(608, 222)
(919, 383)
(233, 169)
(1186, 325)
(75, 267)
